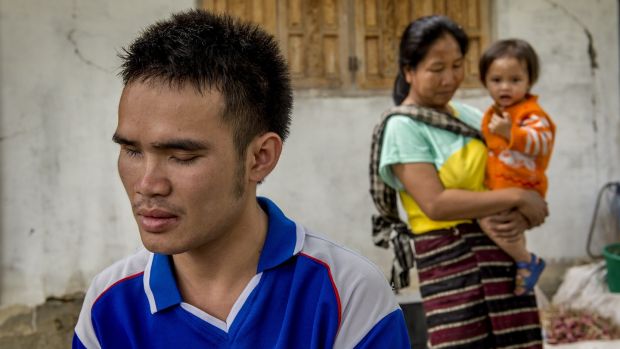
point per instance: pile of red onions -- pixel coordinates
(563, 325)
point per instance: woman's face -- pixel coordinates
(436, 78)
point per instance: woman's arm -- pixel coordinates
(422, 183)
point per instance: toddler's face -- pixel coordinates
(507, 81)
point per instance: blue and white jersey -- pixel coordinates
(308, 292)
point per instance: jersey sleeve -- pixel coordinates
(403, 142)
(77, 344)
(390, 332)
(532, 135)
(371, 317)
(85, 335)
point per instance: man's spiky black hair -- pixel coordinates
(208, 51)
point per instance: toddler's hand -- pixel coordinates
(501, 125)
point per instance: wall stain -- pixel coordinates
(14, 135)
(78, 53)
(76, 49)
(591, 50)
(592, 55)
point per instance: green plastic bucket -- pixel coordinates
(612, 258)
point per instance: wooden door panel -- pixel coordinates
(320, 38)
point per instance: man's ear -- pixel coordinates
(263, 155)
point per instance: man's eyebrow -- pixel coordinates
(118, 139)
(173, 144)
(180, 144)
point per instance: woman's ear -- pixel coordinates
(408, 73)
(263, 155)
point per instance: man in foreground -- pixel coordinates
(201, 122)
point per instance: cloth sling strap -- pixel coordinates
(387, 226)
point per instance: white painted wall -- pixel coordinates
(64, 216)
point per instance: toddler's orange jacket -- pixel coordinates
(522, 160)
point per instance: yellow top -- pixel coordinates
(460, 161)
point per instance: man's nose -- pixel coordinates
(153, 180)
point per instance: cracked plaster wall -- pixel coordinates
(63, 214)
(64, 217)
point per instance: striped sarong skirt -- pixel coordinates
(467, 285)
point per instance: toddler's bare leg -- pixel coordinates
(515, 248)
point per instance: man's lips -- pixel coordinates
(156, 213)
(156, 220)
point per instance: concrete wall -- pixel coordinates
(64, 216)
(63, 213)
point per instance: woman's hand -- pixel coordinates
(507, 225)
(533, 207)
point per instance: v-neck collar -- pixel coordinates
(283, 241)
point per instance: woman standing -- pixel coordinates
(466, 281)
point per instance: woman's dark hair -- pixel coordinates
(515, 48)
(417, 39)
(208, 51)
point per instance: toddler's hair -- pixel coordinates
(516, 48)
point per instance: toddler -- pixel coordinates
(519, 135)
